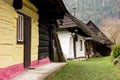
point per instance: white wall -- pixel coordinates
(66, 41)
(64, 37)
(71, 48)
(80, 52)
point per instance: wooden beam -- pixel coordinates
(17, 4)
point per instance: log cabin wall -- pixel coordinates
(48, 14)
(8, 48)
(44, 41)
(49, 45)
(11, 52)
(30, 10)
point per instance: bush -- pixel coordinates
(116, 51)
(115, 61)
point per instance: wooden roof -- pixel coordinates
(50, 10)
(53, 9)
(103, 38)
(71, 23)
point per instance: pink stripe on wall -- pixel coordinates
(40, 62)
(11, 71)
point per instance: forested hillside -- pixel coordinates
(95, 10)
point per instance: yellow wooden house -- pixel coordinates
(13, 35)
(23, 43)
(12, 32)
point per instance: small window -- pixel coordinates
(20, 29)
(81, 45)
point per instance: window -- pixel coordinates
(20, 28)
(80, 45)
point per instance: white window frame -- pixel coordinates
(20, 29)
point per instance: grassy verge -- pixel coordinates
(93, 69)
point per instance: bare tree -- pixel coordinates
(111, 27)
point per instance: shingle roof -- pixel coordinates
(103, 38)
(70, 21)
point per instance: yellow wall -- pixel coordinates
(10, 52)
(30, 10)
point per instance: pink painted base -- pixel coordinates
(40, 62)
(11, 71)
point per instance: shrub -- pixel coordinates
(115, 61)
(116, 51)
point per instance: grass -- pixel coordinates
(92, 69)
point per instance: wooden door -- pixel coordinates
(27, 41)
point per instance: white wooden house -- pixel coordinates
(72, 48)
(72, 34)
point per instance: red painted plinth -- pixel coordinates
(11, 71)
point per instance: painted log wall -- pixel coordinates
(64, 37)
(30, 10)
(10, 52)
(44, 41)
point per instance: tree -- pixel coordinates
(111, 27)
(94, 10)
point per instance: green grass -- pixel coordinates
(92, 69)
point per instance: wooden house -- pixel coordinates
(72, 43)
(103, 46)
(28, 34)
(74, 35)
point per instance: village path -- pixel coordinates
(41, 72)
